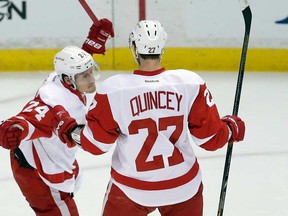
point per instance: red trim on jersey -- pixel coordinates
(159, 185)
(90, 147)
(58, 177)
(81, 97)
(149, 73)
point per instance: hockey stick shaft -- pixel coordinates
(247, 15)
(89, 12)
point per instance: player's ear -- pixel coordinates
(67, 80)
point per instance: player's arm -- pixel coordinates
(97, 135)
(101, 130)
(32, 122)
(208, 130)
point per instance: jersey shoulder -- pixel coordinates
(130, 80)
(51, 91)
(115, 82)
(185, 76)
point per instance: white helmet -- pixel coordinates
(149, 37)
(71, 61)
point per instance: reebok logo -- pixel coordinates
(105, 34)
(58, 127)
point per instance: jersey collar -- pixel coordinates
(82, 97)
(149, 73)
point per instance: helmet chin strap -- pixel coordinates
(135, 54)
(137, 58)
(162, 52)
(73, 86)
(72, 80)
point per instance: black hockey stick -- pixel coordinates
(247, 18)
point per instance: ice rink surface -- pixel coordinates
(258, 180)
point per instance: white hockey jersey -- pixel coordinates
(43, 150)
(151, 115)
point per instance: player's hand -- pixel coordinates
(63, 125)
(10, 134)
(237, 127)
(97, 37)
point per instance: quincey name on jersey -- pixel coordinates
(155, 100)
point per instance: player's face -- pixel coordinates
(85, 81)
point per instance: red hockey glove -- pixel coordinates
(237, 127)
(97, 37)
(63, 124)
(10, 134)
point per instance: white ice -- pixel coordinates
(258, 180)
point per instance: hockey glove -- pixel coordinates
(10, 134)
(97, 37)
(237, 127)
(63, 125)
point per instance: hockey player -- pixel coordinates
(43, 166)
(151, 115)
